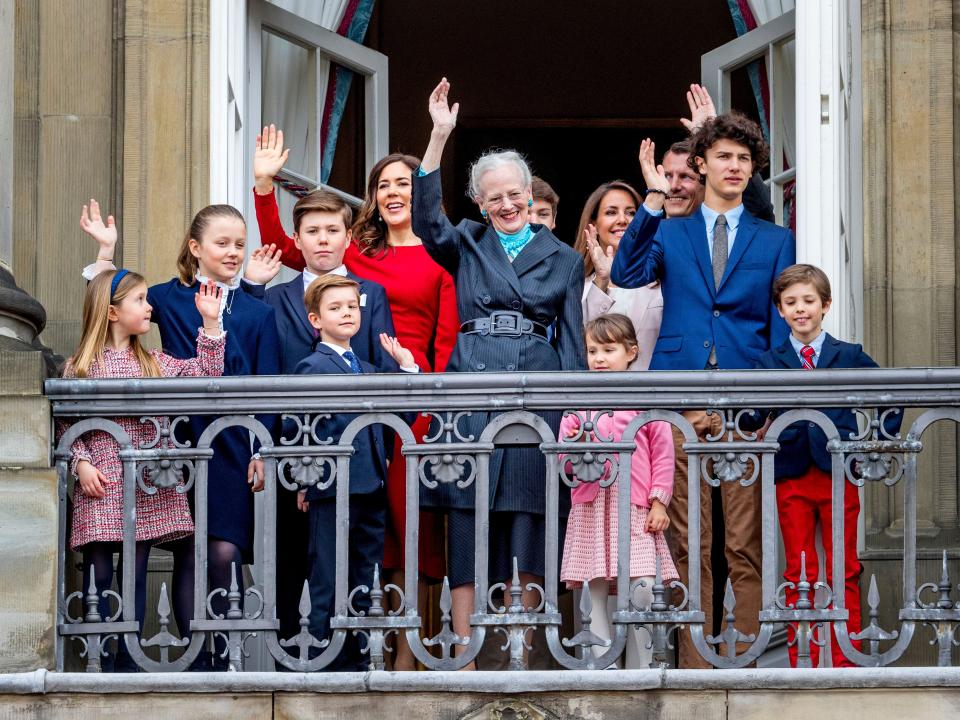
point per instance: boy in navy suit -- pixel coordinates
(802, 472)
(321, 222)
(333, 308)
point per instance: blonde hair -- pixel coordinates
(96, 324)
(314, 293)
(187, 263)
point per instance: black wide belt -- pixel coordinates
(507, 323)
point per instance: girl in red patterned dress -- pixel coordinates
(590, 547)
(115, 314)
(423, 304)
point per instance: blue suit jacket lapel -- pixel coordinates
(746, 231)
(696, 230)
(829, 352)
(334, 358)
(788, 356)
(293, 296)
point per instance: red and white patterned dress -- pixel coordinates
(164, 516)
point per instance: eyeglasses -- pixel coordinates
(515, 197)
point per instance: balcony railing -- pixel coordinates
(734, 456)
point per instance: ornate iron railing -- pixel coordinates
(447, 455)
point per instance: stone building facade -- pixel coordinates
(111, 99)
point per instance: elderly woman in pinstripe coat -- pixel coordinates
(514, 280)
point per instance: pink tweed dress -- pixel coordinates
(164, 516)
(590, 546)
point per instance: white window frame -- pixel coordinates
(829, 131)
(371, 65)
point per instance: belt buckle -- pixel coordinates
(507, 323)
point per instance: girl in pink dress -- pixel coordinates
(115, 314)
(590, 548)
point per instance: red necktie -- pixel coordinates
(807, 353)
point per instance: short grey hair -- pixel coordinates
(491, 161)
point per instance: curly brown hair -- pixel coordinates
(733, 126)
(369, 230)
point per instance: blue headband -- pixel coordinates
(121, 273)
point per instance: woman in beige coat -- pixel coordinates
(606, 215)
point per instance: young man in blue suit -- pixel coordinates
(802, 468)
(333, 308)
(716, 268)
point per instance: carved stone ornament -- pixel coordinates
(509, 709)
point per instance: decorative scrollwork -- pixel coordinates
(873, 633)
(303, 640)
(730, 635)
(164, 639)
(306, 471)
(588, 427)
(873, 466)
(448, 427)
(448, 468)
(729, 467)
(589, 466)
(586, 638)
(306, 429)
(875, 425)
(165, 473)
(446, 638)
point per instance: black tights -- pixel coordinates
(100, 555)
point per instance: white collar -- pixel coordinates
(226, 286)
(309, 277)
(339, 348)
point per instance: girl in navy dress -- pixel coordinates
(212, 251)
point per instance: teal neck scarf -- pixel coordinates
(513, 244)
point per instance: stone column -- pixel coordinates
(910, 257)
(165, 128)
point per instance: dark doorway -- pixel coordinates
(574, 86)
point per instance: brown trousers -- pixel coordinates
(741, 517)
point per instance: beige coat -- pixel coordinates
(646, 312)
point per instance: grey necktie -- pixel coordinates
(719, 249)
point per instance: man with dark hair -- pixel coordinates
(716, 267)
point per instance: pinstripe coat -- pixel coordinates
(544, 283)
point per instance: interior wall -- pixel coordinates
(574, 87)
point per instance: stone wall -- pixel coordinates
(28, 517)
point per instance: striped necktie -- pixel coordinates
(807, 353)
(354, 363)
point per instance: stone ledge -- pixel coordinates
(44, 682)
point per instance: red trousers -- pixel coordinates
(801, 502)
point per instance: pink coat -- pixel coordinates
(652, 466)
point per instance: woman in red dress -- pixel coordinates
(424, 308)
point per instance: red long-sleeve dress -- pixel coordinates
(423, 304)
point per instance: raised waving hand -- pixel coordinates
(701, 108)
(444, 118)
(602, 257)
(269, 157)
(653, 175)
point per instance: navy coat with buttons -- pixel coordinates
(804, 444)
(544, 283)
(738, 317)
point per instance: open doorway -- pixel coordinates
(573, 87)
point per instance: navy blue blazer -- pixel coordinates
(297, 334)
(804, 444)
(739, 317)
(368, 465)
(545, 284)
